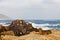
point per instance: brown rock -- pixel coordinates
(20, 27)
(7, 33)
(3, 28)
(34, 32)
(44, 32)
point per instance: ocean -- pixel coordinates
(44, 24)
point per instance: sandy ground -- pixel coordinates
(54, 36)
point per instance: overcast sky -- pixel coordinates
(31, 9)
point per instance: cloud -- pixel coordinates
(27, 8)
(27, 3)
(57, 1)
(23, 4)
(13, 4)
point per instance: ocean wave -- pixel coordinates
(45, 26)
(4, 24)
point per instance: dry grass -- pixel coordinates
(34, 36)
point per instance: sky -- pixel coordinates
(31, 9)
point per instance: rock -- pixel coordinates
(44, 32)
(35, 29)
(3, 28)
(0, 28)
(20, 27)
(34, 32)
(7, 33)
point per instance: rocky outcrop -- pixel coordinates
(3, 28)
(20, 27)
(44, 32)
(7, 33)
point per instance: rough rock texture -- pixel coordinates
(3, 28)
(44, 32)
(20, 27)
(7, 33)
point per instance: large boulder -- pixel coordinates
(20, 27)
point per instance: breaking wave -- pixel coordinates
(45, 26)
(4, 24)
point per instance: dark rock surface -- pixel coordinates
(20, 27)
(7, 33)
(44, 32)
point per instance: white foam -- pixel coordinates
(43, 26)
(4, 24)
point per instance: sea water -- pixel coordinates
(44, 24)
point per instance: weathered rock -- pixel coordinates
(44, 32)
(20, 27)
(3, 28)
(7, 33)
(34, 32)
